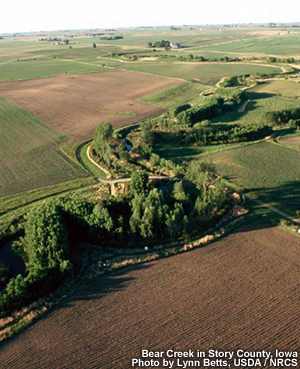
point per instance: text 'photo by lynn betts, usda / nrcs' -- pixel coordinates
(215, 358)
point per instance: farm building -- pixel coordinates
(175, 45)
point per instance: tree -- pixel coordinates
(154, 160)
(179, 193)
(101, 140)
(174, 220)
(150, 44)
(94, 45)
(139, 183)
(46, 242)
(102, 218)
(148, 214)
(202, 173)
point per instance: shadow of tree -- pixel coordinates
(286, 197)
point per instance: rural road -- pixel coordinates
(121, 180)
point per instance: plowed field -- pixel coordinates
(294, 141)
(241, 292)
(75, 104)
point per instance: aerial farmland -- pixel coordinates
(150, 194)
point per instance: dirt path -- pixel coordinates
(122, 180)
(267, 206)
(86, 63)
(88, 154)
(270, 207)
(243, 107)
(108, 175)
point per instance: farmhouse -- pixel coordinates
(175, 45)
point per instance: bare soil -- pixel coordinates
(73, 104)
(241, 292)
(294, 141)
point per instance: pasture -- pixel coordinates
(75, 104)
(259, 104)
(174, 95)
(240, 291)
(203, 73)
(284, 88)
(284, 44)
(44, 67)
(30, 155)
(265, 170)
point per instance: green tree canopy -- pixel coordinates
(46, 241)
(101, 138)
(148, 214)
(202, 173)
(139, 183)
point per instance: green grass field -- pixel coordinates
(29, 152)
(9, 203)
(86, 163)
(265, 170)
(181, 153)
(259, 104)
(204, 73)
(284, 88)
(279, 45)
(43, 67)
(175, 95)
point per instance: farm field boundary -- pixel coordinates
(30, 153)
(73, 104)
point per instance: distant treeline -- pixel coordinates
(192, 125)
(282, 116)
(210, 109)
(212, 135)
(162, 43)
(246, 79)
(174, 58)
(273, 59)
(111, 38)
(187, 116)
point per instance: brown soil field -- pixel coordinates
(73, 104)
(294, 141)
(241, 292)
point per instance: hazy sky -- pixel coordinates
(32, 15)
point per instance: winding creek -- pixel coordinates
(128, 147)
